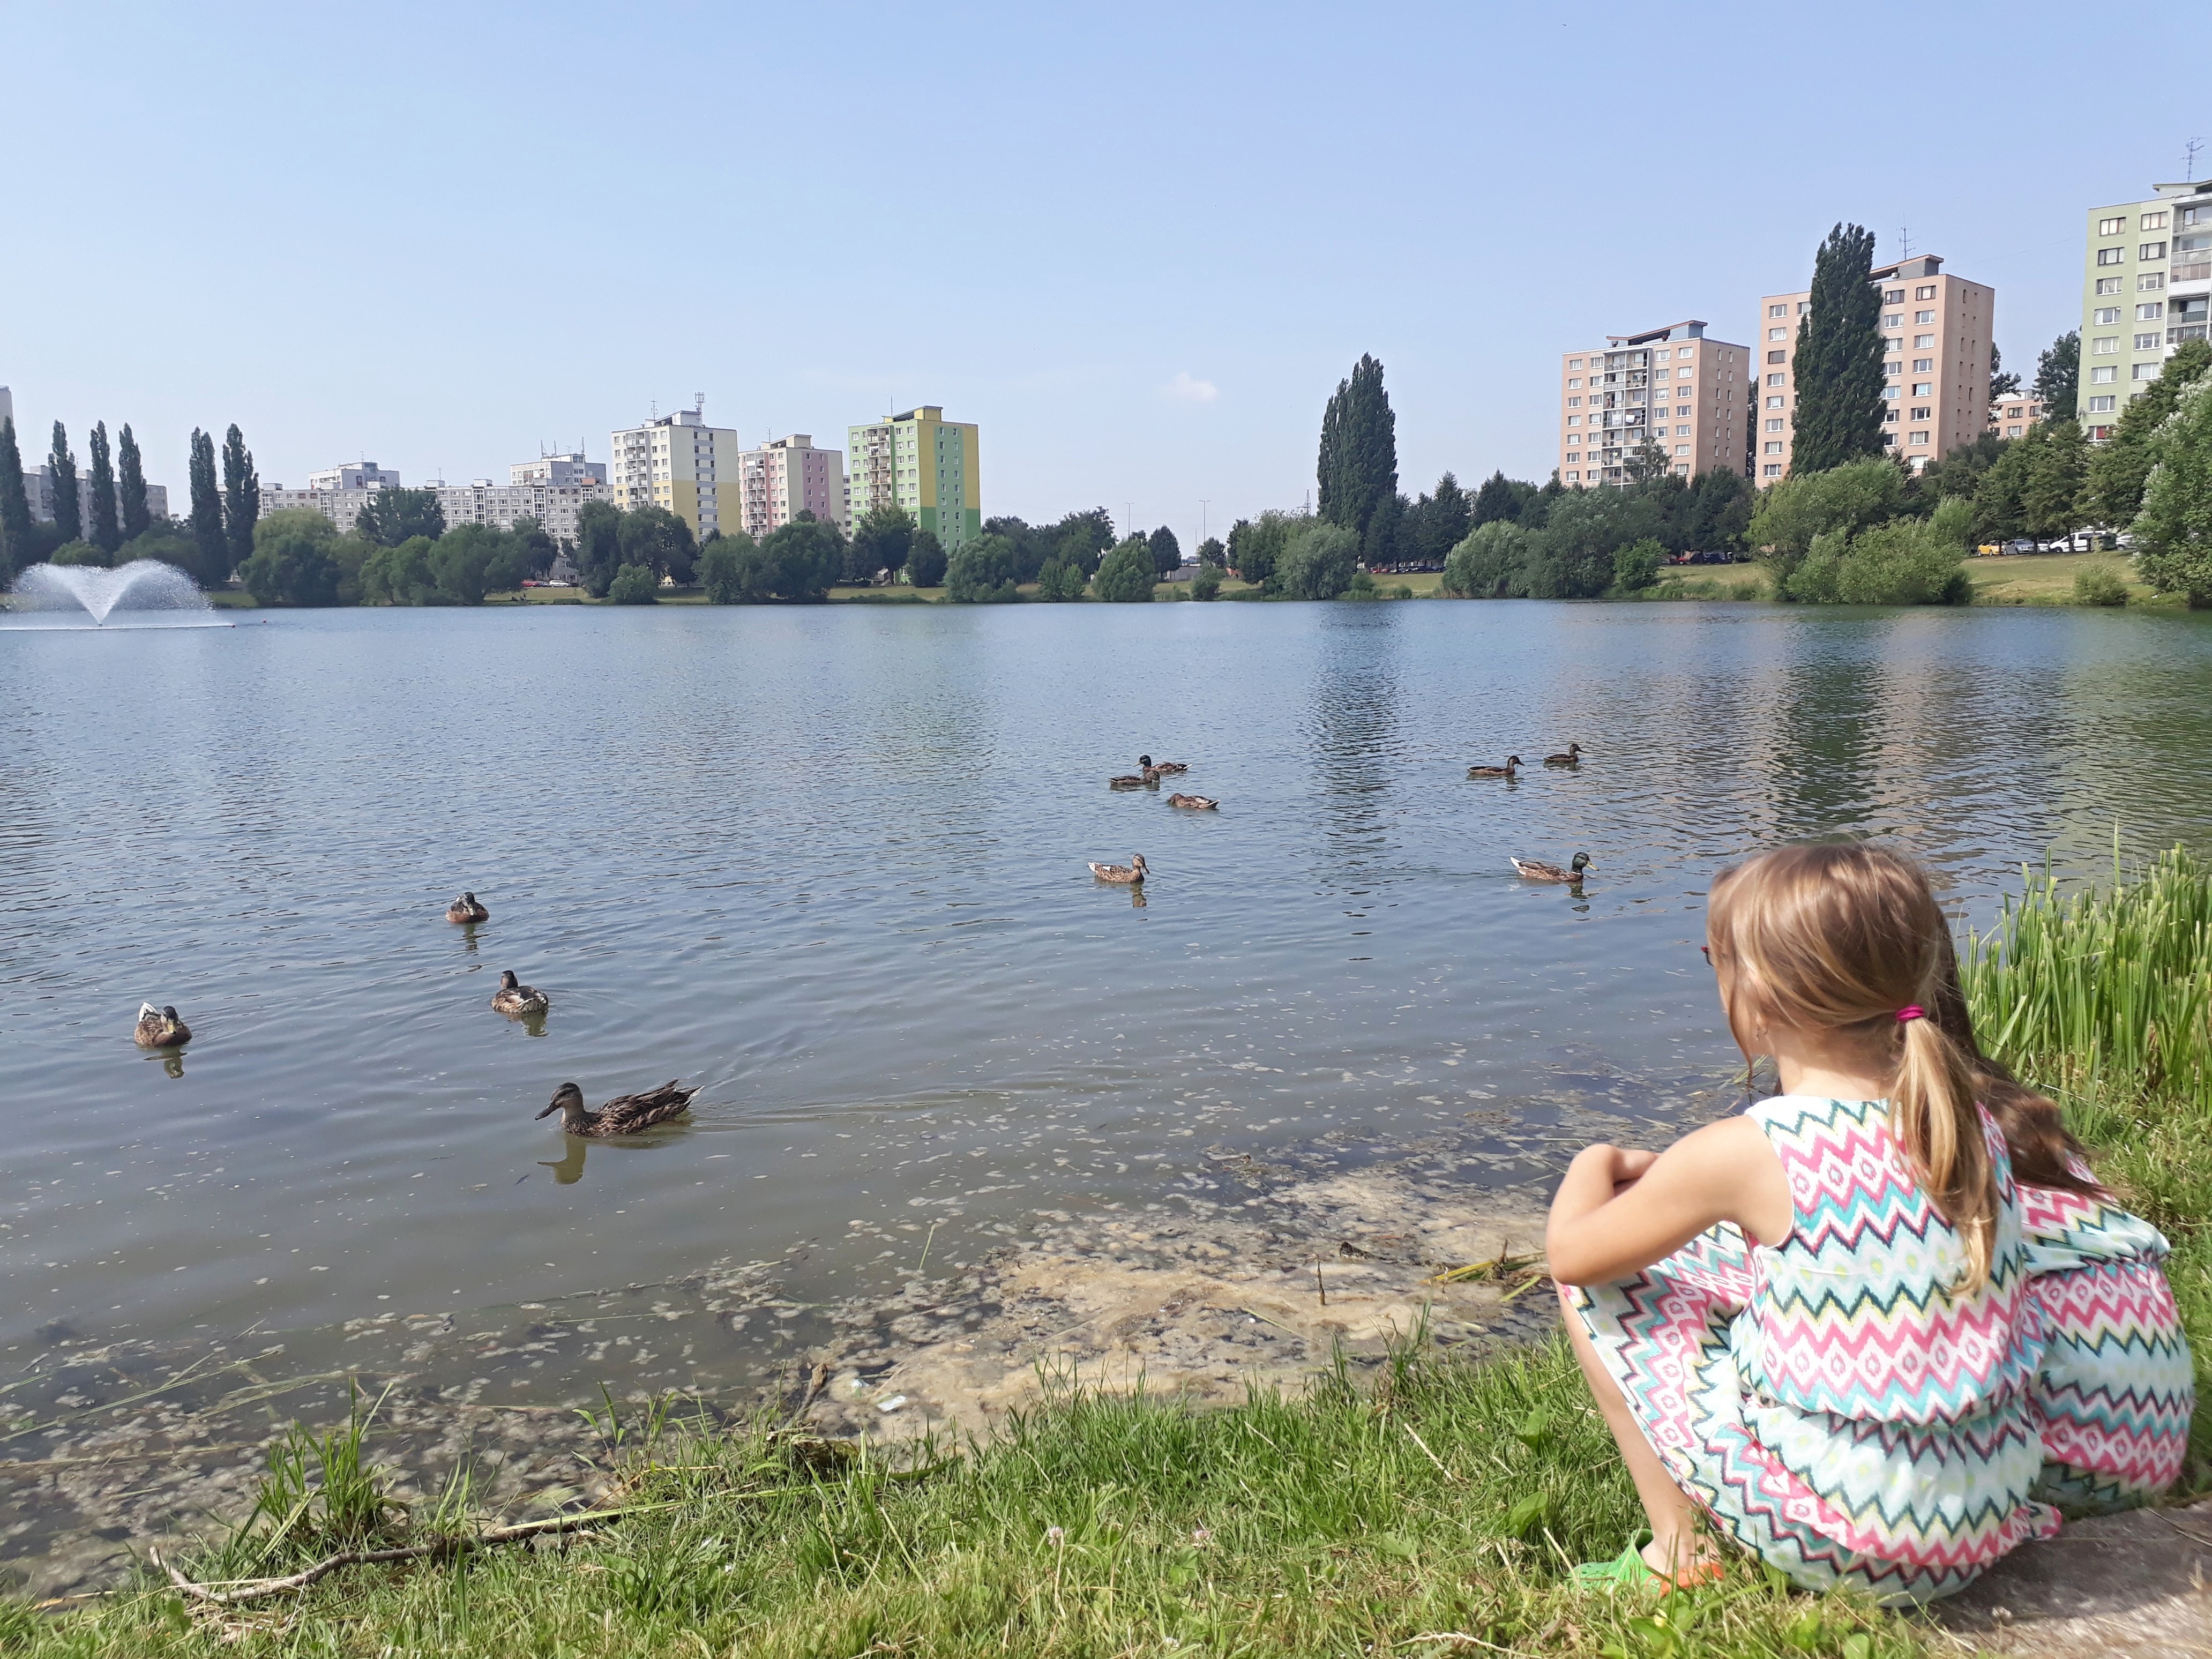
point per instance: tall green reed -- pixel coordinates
(2102, 987)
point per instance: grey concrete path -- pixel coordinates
(2136, 1586)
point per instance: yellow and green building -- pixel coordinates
(921, 462)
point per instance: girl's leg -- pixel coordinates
(1675, 1543)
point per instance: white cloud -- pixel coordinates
(1184, 389)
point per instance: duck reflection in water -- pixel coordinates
(172, 1063)
(570, 1169)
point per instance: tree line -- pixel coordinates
(209, 544)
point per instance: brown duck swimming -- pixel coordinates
(516, 1000)
(1537, 870)
(1131, 874)
(1131, 780)
(467, 908)
(1152, 768)
(160, 1028)
(1505, 771)
(1195, 802)
(625, 1114)
(1571, 755)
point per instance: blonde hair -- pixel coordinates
(1841, 937)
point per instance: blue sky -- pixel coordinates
(1139, 244)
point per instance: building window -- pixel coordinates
(2101, 405)
(2103, 345)
(2147, 371)
(2151, 222)
(1922, 342)
(1773, 446)
(1778, 311)
(2108, 285)
(2105, 316)
(1681, 449)
(1681, 352)
(2151, 250)
(1574, 363)
(2111, 256)
(1923, 365)
(1895, 319)
(2012, 432)
(1774, 403)
(1927, 293)
(2149, 311)
(1892, 296)
(2105, 376)
(1574, 403)
(1777, 333)
(1774, 379)
(2112, 227)
(1774, 423)
(1917, 438)
(1923, 317)
(1924, 388)
(2150, 282)
(1778, 356)
(1574, 478)
(1923, 413)
(2150, 342)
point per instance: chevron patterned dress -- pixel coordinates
(1833, 1402)
(2116, 1389)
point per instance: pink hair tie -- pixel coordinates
(1911, 1011)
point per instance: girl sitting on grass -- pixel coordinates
(2116, 1388)
(1812, 1322)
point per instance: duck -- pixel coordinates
(160, 1028)
(1131, 874)
(625, 1114)
(467, 908)
(517, 999)
(1537, 870)
(1153, 769)
(1505, 771)
(1572, 756)
(1195, 802)
(1131, 780)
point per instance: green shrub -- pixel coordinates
(85, 553)
(981, 572)
(2099, 583)
(1060, 581)
(1317, 561)
(1489, 564)
(1636, 567)
(635, 584)
(1206, 584)
(1361, 587)
(925, 560)
(1127, 575)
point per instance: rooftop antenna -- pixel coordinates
(698, 403)
(1904, 240)
(1201, 519)
(2189, 158)
(654, 406)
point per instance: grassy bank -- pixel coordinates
(1428, 1509)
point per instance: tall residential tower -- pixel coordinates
(1936, 331)
(2148, 280)
(788, 476)
(1687, 394)
(920, 461)
(679, 462)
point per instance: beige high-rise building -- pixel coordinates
(2147, 289)
(1685, 392)
(1935, 330)
(679, 462)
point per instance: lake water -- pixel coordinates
(829, 864)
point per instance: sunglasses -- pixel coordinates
(1706, 952)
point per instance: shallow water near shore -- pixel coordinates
(829, 864)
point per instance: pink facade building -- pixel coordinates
(1671, 388)
(1935, 330)
(786, 477)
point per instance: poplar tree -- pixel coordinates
(61, 467)
(1839, 359)
(14, 502)
(241, 495)
(207, 513)
(1358, 468)
(138, 518)
(107, 533)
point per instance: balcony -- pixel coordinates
(2184, 332)
(2190, 273)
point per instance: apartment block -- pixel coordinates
(1936, 328)
(360, 475)
(39, 485)
(569, 469)
(2146, 289)
(2012, 415)
(922, 462)
(679, 462)
(786, 477)
(1688, 394)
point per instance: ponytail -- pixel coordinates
(1840, 936)
(1932, 1112)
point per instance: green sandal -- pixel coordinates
(1630, 1571)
